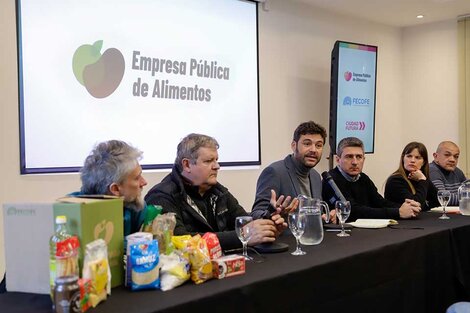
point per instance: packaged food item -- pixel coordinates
(133, 239)
(175, 270)
(213, 245)
(66, 294)
(180, 242)
(96, 268)
(59, 235)
(162, 229)
(84, 285)
(152, 212)
(229, 265)
(201, 266)
(144, 262)
(67, 257)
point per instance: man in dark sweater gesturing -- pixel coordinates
(359, 189)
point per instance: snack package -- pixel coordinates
(133, 239)
(181, 242)
(152, 212)
(96, 268)
(67, 257)
(201, 266)
(85, 287)
(213, 245)
(145, 269)
(162, 229)
(175, 270)
(229, 265)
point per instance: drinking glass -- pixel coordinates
(343, 209)
(443, 196)
(244, 232)
(297, 221)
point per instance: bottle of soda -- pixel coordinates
(59, 235)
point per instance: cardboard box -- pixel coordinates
(29, 226)
(93, 218)
(27, 229)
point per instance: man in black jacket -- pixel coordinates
(202, 204)
(359, 189)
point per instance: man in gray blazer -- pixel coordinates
(295, 174)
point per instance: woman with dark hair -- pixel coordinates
(411, 179)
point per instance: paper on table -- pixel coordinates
(373, 223)
(449, 209)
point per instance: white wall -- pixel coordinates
(430, 84)
(295, 42)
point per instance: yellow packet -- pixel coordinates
(201, 266)
(96, 268)
(180, 242)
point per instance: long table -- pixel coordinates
(422, 265)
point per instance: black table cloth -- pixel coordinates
(421, 265)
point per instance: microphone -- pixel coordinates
(326, 176)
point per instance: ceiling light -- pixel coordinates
(420, 16)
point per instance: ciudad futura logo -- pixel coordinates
(100, 73)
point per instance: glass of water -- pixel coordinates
(297, 221)
(343, 209)
(243, 231)
(443, 196)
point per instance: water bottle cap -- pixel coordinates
(61, 219)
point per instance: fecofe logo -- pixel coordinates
(347, 75)
(100, 73)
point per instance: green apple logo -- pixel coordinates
(100, 73)
(104, 230)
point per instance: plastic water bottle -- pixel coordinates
(59, 235)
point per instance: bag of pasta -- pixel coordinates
(67, 257)
(181, 244)
(96, 268)
(144, 257)
(162, 229)
(201, 266)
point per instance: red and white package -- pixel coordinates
(229, 265)
(213, 245)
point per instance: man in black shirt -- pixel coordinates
(359, 189)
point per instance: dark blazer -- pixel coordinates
(281, 177)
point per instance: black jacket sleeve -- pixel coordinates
(398, 190)
(365, 200)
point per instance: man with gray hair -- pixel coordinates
(359, 189)
(113, 168)
(201, 203)
(443, 171)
